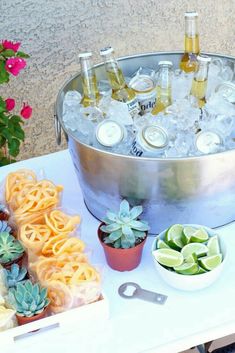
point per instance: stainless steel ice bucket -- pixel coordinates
(197, 190)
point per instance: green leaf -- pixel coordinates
(8, 53)
(115, 235)
(3, 119)
(2, 141)
(15, 119)
(21, 54)
(126, 230)
(6, 133)
(18, 132)
(110, 228)
(4, 75)
(5, 161)
(139, 225)
(14, 147)
(136, 211)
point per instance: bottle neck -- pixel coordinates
(115, 74)
(89, 83)
(191, 35)
(201, 73)
(164, 82)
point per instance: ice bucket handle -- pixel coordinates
(58, 129)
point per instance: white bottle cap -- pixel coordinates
(165, 63)
(85, 55)
(191, 14)
(203, 58)
(105, 51)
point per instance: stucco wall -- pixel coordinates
(53, 32)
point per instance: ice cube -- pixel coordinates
(104, 88)
(181, 84)
(119, 112)
(71, 101)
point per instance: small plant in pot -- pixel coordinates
(29, 300)
(123, 236)
(11, 250)
(15, 275)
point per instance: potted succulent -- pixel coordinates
(29, 300)
(123, 236)
(14, 275)
(11, 250)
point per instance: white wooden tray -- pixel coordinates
(67, 321)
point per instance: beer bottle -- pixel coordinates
(164, 98)
(91, 95)
(199, 84)
(120, 91)
(191, 43)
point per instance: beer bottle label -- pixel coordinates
(133, 106)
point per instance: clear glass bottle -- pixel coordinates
(191, 43)
(199, 85)
(91, 95)
(164, 79)
(120, 91)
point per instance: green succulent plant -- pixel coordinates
(4, 227)
(10, 248)
(122, 229)
(28, 299)
(14, 275)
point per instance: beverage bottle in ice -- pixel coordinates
(164, 79)
(191, 43)
(150, 141)
(199, 84)
(91, 95)
(113, 137)
(120, 91)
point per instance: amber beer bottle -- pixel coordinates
(199, 84)
(191, 43)
(164, 96)
(91, 95)
(120, 91)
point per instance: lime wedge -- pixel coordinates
(188, 231)
(191, 258)
(168, 257)
(187, 269)
(162, 245)
(200, 236)
(213, 246)
(197, 248)
(173, 236)
(200, 270)
(210, 262)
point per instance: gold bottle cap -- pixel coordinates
(155, 136)
(109, 133)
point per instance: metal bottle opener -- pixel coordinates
(141, 293)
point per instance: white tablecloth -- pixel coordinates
(135, 326)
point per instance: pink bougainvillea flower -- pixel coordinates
(7, 44)
(14, 65)
(26, 111)
(10, 104)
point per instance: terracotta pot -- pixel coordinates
(121, 259)
(22, 320)
(4, 216)
(21, 261)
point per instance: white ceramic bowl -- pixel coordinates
(190, 282)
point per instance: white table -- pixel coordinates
(186, 319)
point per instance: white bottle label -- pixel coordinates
(133, 106)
